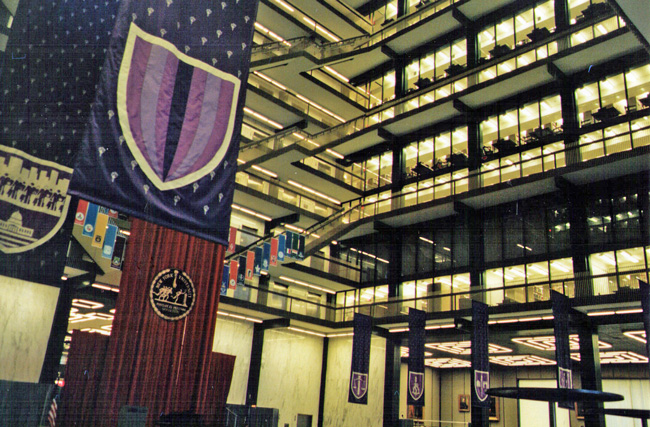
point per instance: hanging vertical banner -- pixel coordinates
(250, 264)
(232, 240)
(259, 253)
(118, 251)
(295, 242)
(241, 272)
(274, 252)
(100, 227)
(301, 247)
(165, 125)
(224, 279)
(266, 256)
(417, 320)
(560, 305)
(80, 215)
(358, 392)
(288, 252)
(480, 362)
(109, 241)
(49, 71)
(282, 250)
(91, 218)
(232, 283)
(644, 289)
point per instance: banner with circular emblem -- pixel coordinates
(172, 294)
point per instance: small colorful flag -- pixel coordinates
(266, 256)
(274, 251)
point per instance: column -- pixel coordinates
(590, 374)
(391, 383)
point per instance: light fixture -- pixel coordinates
(304, 331)
(616, 357)
(271, 34)
(636, 335)
(305, 284)
(285, 5)
(264, 171)
(263, 118)
(238, 316)
(314, 192)
(251, 212)
(105, 287)
(84, 303)
(465, 347)
(521, 360)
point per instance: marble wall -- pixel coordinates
(26, 315)
(235, 337)
(337, 410)
(290, 374)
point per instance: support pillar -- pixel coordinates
(391, 384)
(590, 373)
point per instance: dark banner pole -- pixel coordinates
(560, 304)
(417, 320)
(480, 365)
(644, 288)
(358, 391)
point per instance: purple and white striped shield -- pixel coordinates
(177, 113)
(481, 384)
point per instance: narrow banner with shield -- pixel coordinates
(358, 392)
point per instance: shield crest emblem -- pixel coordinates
(416, 385)
(176, 112)
(566, 380)
(359, 384)
(34, 200)
(481, 384)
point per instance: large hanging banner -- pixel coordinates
(160, 346)
(49, 73)
(163, 134)
(358, 392)
(417, 321)
(480, 361)
(560, 305)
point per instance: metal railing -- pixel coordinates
(447, 302)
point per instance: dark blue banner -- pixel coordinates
(561, 305)
(358, 392)
(49, 71)
(241, 271)
(480, 361)
(301, 247)
(644, 289)
(266, 256)
(224, 279)
(118, 252)
(163, 134)
(257, 267)
(415, 384)
(289, 244)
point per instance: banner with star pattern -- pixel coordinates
(164, 131)
(50, 70)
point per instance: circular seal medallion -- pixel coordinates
(172, 294)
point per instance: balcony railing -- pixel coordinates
(447, 302)
(443, 89)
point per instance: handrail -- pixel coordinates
(392, 307)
